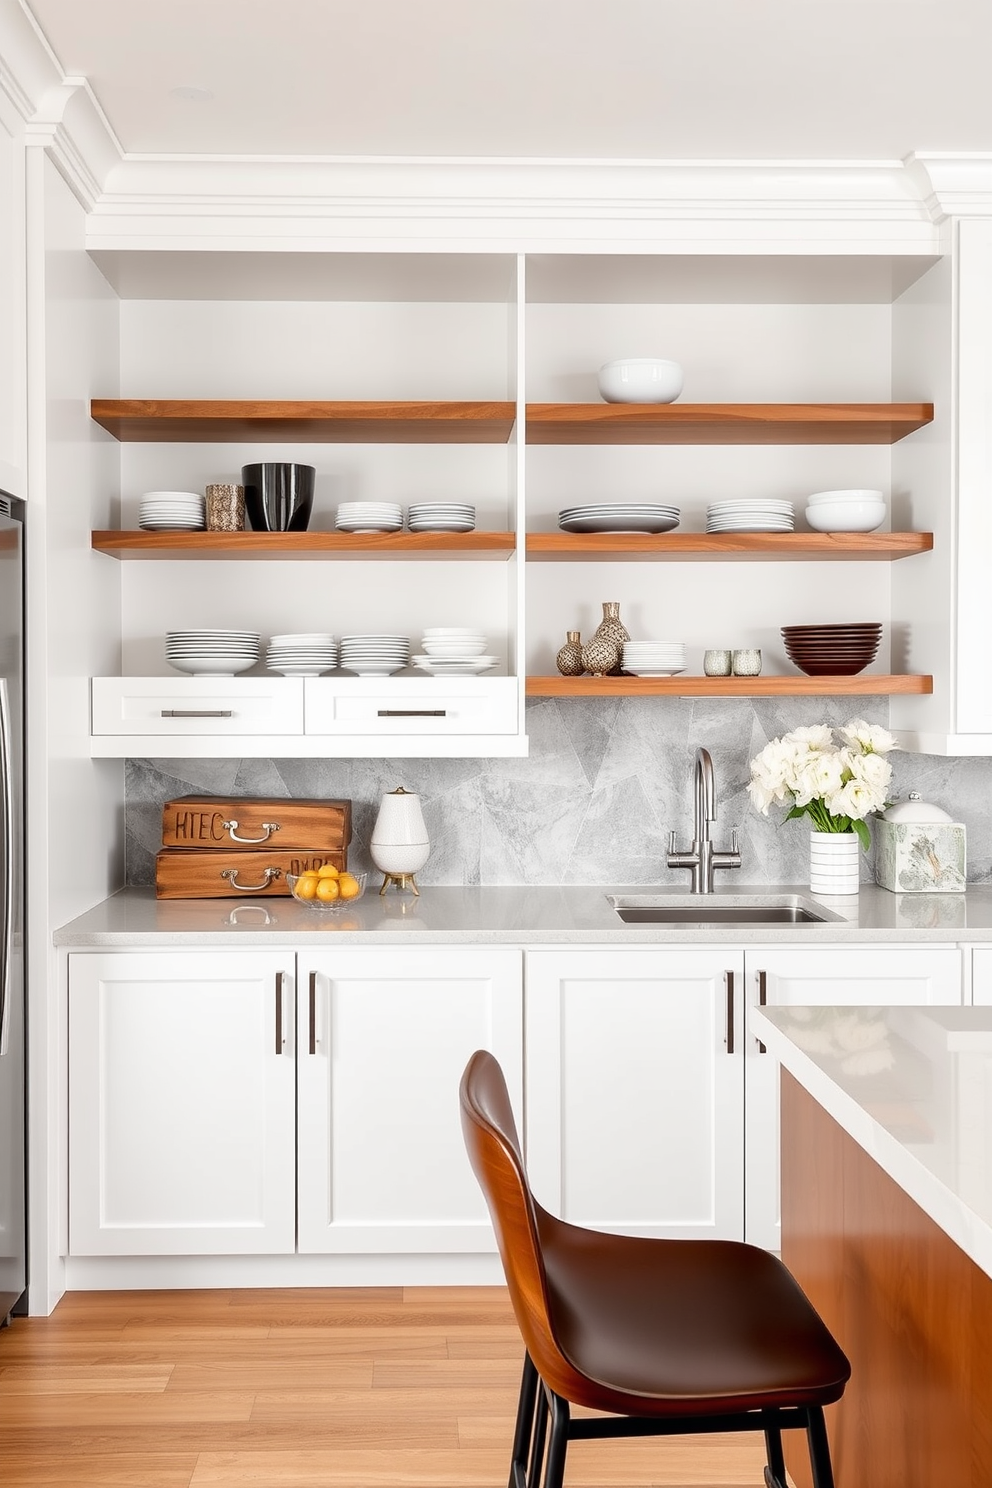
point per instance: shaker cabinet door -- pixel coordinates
(384, 1036)
(181, 1103)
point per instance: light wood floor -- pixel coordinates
(369, 1388)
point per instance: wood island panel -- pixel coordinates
(910, 1310)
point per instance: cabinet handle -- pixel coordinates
(280, 1041)
(231, 874)
(197, 712)
(729, 977)
(412, 713)
(231, 828)
(313, 1012)
(762, 1000)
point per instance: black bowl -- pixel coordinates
(278, 495)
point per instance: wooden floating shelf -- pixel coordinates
(724, 423)
(711, 547)
(291, 545)
(211, 421)
(303, 422)
(682, 686)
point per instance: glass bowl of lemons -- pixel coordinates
(326, 888)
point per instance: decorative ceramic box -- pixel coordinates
(919, 849)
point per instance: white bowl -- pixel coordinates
(640, 380)
(819, 497)
(846, 516)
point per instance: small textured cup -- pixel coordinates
(747, 663)
(225, 508)
(717, 663)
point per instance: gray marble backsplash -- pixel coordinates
(604, 783)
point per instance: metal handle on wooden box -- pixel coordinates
(313, 1012)
(197, 713)
(729, 978)
(412, 713)
(280, 1040)
(231, 828)
(231, 874)
(762, 977)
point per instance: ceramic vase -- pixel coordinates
(569, 659)
(611, 628)
(601, 656)
(399, 846)
(834, 859)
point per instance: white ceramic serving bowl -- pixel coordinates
(819, 497)
(640, 380)
(846, 516)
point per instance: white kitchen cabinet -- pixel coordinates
(13, 302)
(981, 976)
(181, 1103)
(384, 1038)
(634, 1088)
(858, 976)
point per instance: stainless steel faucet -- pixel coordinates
(702, 858)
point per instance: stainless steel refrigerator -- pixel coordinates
(13, 1238)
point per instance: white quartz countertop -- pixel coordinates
(913, 1087)
(569, 915)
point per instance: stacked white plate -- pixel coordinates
(751, 515)
(302, 655)
(374, 655)
(369, 516)
(453, 652)
(212, 653)
(440, 516)
(653, 658)
(634, 516)
(164, 511)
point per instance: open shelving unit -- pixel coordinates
(287, 545)
(865, 684)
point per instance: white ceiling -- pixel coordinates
(613, 79)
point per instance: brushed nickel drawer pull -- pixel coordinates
(729, 977)
(313, 1012)
(231, 874)
(279, 1038)
(231, 828)
(762, 1000)
(197, 712)
(412, 713)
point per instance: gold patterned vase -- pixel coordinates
(611, 628)
(569, 659)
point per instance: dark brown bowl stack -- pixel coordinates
(832, 650)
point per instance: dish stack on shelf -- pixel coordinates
(212, 653)
(450, 652)
(653, 658)
(440, 516)
(374, 655)
(302, 655)
(832, 650)
(369, 516)
(172, 511)
(631, 516)
(845, 511)
(751, 515)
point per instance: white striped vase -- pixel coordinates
(833, 862)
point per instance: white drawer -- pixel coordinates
(411, 705)
(209, 706)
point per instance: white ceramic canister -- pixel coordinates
(400, 844)
(920, 849)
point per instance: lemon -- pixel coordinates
(327, 890)
(349, 886)
(327, 871)
(306, 886)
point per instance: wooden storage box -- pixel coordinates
(186, 873)
(254, 822)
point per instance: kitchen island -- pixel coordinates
(887, 1224)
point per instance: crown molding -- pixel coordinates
(70, 125)
(953, 185)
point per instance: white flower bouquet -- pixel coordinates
(837, 785)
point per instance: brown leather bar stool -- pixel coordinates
(667, 1336)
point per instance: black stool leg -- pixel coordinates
(819, 1448)
(538, 1438)
(775, 1471)
(554, 1471)
(524, 1429)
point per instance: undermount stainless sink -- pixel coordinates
(720, 909)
